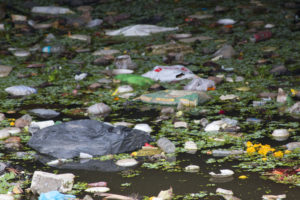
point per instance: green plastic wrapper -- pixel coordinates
(135, 80)
(174, 97)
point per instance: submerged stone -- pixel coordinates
(226, 51)
(192, 168)
(20, 90)
(97, 189)
(292, 145)
(44, 113)
(281, 134)
(5, 70)
(129, 162)
(45, 182)
(99, 109)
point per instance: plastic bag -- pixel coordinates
(170, 73)
(55, 195)
(140, 30)
(200, 84)
(67, 140)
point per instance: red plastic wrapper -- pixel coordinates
(261, 36)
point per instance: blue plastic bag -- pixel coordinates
(55, 195)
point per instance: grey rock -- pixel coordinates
(224, 153)
(292, 145)
(5, 70)
(124, 62)
(127, 162)
(203, 122)
(2, 167)
(22, 154)
(104, 60)
(94, 86)
(6, 132)
(282, 96)
(87, 197)
(226, 51)
(194, 39)
(2, 117)
(166, 145)
(44, 113)
(20, 90)
(167, 111)
(295, 109)
(104, 81)
(43, 182)
(25, 120)
(99, 109)
(6, 197)
(33, 128)
(9, 131)
(94, 23)
(278, 70)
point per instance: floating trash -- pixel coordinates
(225, 173)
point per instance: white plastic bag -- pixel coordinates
(140, 30)
(170, 73)
(200, 84)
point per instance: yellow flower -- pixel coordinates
(278, 154)
(250, 150)
(257, 145)
(243, 177)
(11, 119)
(249, 144)
(287, 151)
(293, 92)
(134, 153)
(12, 123)
(264, 159)
(264, 149)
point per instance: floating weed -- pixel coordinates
(5, 186)
(125, 184)
(191, 196)
(130, 173)
(163, 165)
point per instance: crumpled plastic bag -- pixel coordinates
(170, 73)
(140, 30)
(68, 139)
(55, 195)
(200, 84)
(223, 123)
